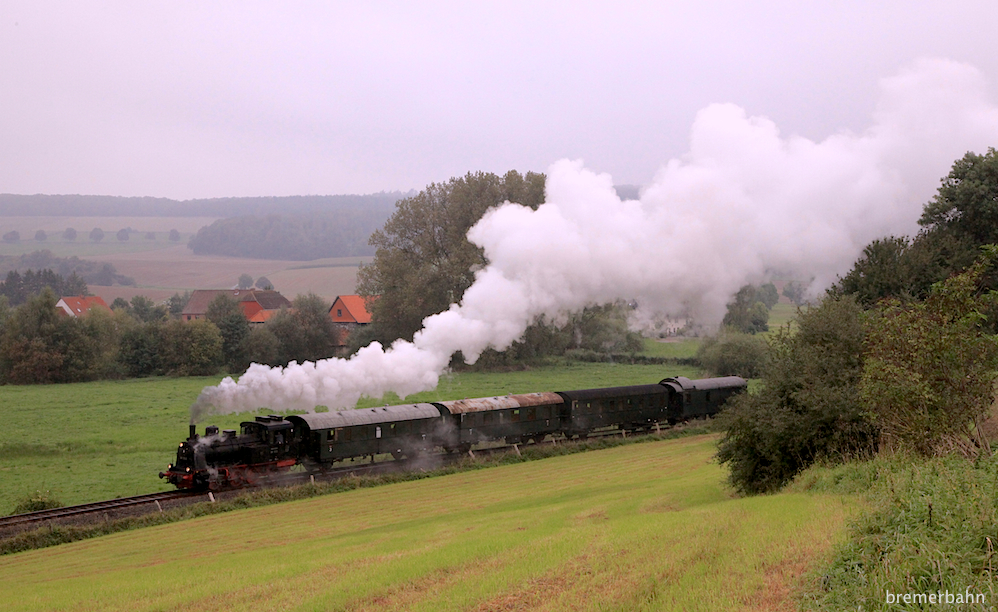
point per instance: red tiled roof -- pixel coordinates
(350, 309)
(266, 300)
(79, 305)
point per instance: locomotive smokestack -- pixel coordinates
(194, 432)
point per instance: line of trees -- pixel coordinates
(142, 338)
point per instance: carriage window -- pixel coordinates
(347, 434)
(515, 416)
(532, 414)
(377, 432)
(708, 396)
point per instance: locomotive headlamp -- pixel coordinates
(188, 469)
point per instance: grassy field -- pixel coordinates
(638, 527)
(91, 441)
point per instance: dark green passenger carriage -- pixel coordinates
(405, 430)
(696, 399)
(632, 408)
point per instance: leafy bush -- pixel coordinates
(36, 502)
(731, 353)
(931, 367)
(808, 407)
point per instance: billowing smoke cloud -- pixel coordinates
(744, 201)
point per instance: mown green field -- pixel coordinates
(638, 527)
(92, 441)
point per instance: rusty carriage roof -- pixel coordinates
(501, 402)
(366, 416)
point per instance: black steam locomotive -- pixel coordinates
(274, 443)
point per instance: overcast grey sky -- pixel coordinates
(204, 99)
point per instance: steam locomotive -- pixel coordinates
(275, 443)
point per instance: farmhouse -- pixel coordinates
(348, 312)
(257, 305)
(77, 306)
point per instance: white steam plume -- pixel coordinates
(742, 202)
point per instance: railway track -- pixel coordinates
(92, 508)
(153, 502)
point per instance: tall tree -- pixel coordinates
(225, 313)
(424, 261)
(305, 332)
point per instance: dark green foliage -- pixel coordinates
(139, 354)
(882, 271)
(307, 236)
(96, 234)
(12, 236)
(41, 236)
(808, 407)
(225, 313)
(768, 295)
(36, 502)
(19, 288)
(176, 302)
(305, 332)
(122, 235)
(264, 283)
(259, 346)
(150, 235)
(174, 236)
(146, 310)
(424, 262)
(190, 348)
(245, 281)
(38, 345)
(930, 526)
(732, 353)
(88, 271)
(794, 291)
(966, 204)
(746, 312)
(931, 367)
(121, 303)
(69, 234)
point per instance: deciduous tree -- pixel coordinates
(424, 261)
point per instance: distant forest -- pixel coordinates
(12, 205)
(91, 272)
(300, 237)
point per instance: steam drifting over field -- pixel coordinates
(743, 201)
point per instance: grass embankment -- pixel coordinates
(91, 441)
(931, 527)
(638, 527)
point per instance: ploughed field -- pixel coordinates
(638, 527)
(87, 442)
